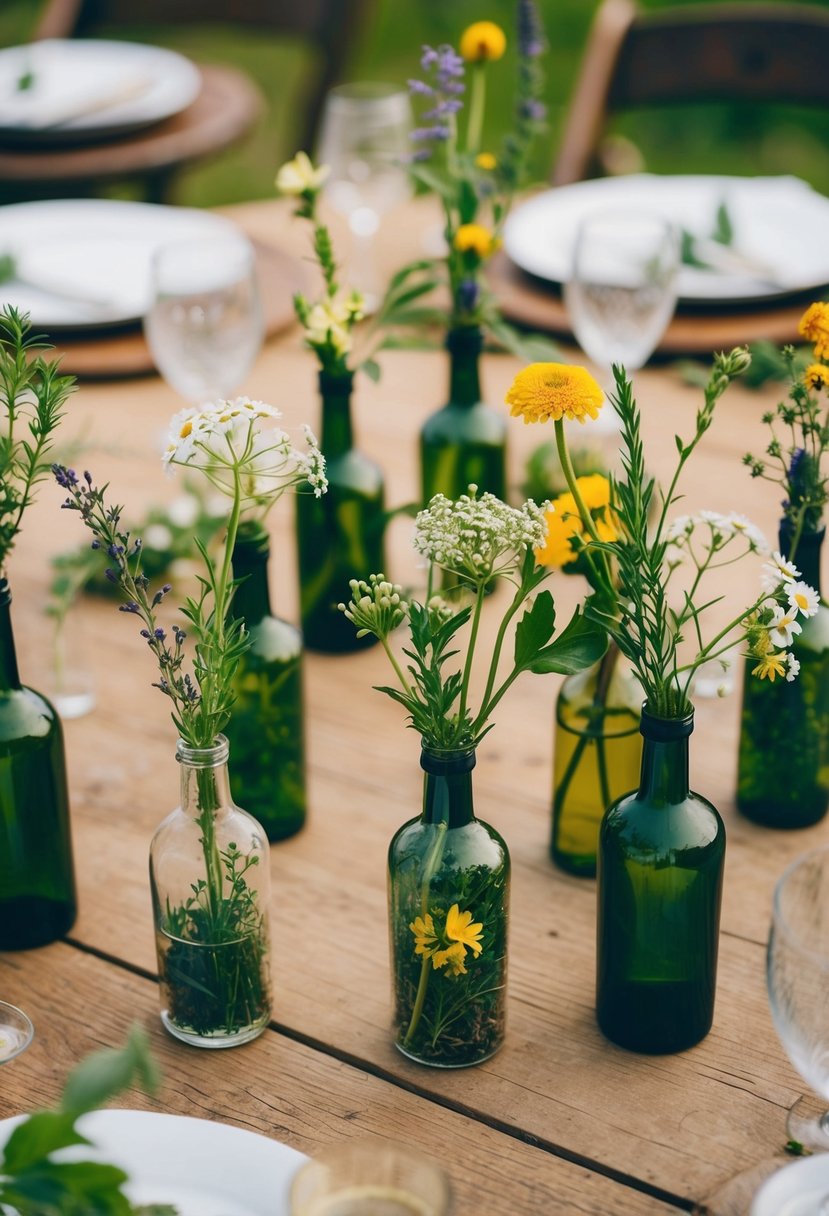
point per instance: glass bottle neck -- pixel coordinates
(251, 600)
(447, 787)
(204, 779)
(464, 346)
(807, 554)
(336, 435)
(9, 676)
(664, 776)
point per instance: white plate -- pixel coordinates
(86, 262)
(796, 1190)
(90, 89)
(780, 224)
(203, 1168)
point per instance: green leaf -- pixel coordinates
(372, 369)
(534, 629)
(433, 181)
(581, 644)
(723, 229)
(105, 1073)
(42, 1133)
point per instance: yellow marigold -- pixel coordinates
(546, 391)
(486, 161)
(814, 326)
(606, 529)
(770, 666)
(557, 549)
(595, 491)
(816, 376)
(483, 40)
(475, 238)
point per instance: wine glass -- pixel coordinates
(16, 1032)
(364, 141)
(205, 326)
(798, 986)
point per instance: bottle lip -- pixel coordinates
(203, 757)
(665, 730)
(447, 762)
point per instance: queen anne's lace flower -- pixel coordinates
(375, 607)
(476, 537)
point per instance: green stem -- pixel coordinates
(432, 862)
(473, 636)
(397, 668)
(496, 655)
(477, 105)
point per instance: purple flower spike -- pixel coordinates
(531, 39)
(421, 87)
(468, 294)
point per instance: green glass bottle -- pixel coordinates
(267, 750)
(465, 441)
(783, 769)
(448, 897)
(660, 868)
(340, 536)
(37, 882)
(596, 759)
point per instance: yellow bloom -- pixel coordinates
(606, 530)
(453, 958)
(770, 666)
(816, 377)
(483, 40)
(561, 526)
(595, 491)
(475, 238)
(546, 391)
(486, 161)
(426, 940)
(460, 929)
(814, 326)
(298, 176)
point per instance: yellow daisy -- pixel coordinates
(816, 377)
(770, 666)
(452, 958)
(474, 238)
(486, 161)
(426, 940)
(483, 40)
(814, 326)
(545, 391)
(460, 929)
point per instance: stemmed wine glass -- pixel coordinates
(364, 141)
(205, 326)
(16, 1032)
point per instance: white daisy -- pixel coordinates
(740, 525)
(784, 626)
(792, 668)
(803, 598)
(778, 570)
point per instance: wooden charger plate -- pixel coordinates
(537, 305)
(124, 352)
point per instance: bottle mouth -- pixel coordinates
(447, 762)
(665, 730)
(203, 757)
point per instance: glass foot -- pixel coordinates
(808, 1124)
(212, 1041)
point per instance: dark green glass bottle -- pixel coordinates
(340, 536)
(267, 752)
(448, 898)
(465, 441)
(783, 769)
(37, 883)
(660, 868)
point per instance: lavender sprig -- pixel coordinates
(530, 111)
(443, 89)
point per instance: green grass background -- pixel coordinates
(727, 139)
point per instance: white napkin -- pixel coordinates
(59, 91)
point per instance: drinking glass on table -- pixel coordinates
(205, 326)
(16, 1032)
(370, 1178)
(798, 987)
(364, 141)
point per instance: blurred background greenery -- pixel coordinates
(745, 139)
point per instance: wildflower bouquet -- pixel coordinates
(448, 871)
(212, 933)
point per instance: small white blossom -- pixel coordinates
(792, 668)
(803, 598)
(783, 626)
(740, 525)
(375, 607)
(184, 511)
(680, 529)
(299, 175)
(157, 536)
(778, 570)
(479, 537)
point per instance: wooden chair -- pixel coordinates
(226, 109)
(707, 52)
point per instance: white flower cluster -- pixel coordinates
(375, 607)
(721, 530)
(477, 538)
(329, 323)
(227, 442)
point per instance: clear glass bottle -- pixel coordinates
(37, 881)
(783, 767)
(465, 441)
(265, 733)
(448, 900)
(340, 536)
(596, 759)
(660, 868)
(210, 883)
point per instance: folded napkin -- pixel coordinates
(62, 87)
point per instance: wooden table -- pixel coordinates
(560, 1120)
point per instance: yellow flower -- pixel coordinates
(426, 940)
(816, 376)
(486, 161)
(595, 491)
(770, 666)
(483, 40)
(474, 238)
(546, 391)
(460, 929)
(561, 526)
(606, 530)
(298, 176)
(814, 326)
(453, 958)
